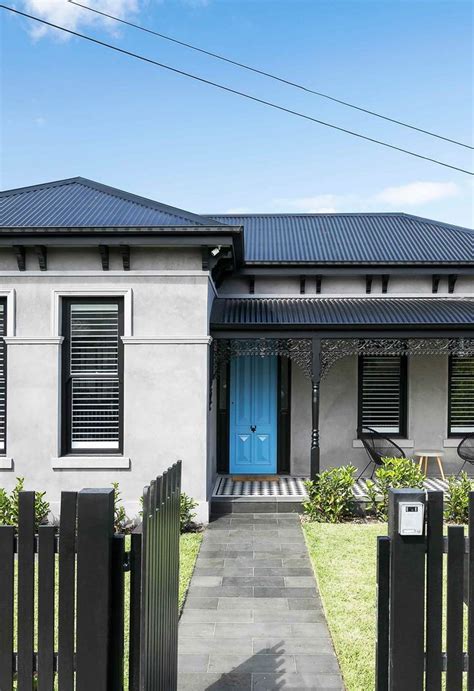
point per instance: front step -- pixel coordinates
(257, 494)
(221, 506)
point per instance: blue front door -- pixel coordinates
(253, 415)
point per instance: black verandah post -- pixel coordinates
(315, 383)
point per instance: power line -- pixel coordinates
(233, 91)
(288, 82)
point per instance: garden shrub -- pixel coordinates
(394, 473)
(186, 513)
(330, 497)
(456, 505)
(9, 505)
(122, 523)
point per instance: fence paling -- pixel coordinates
(135, 558)
(7, 547)
(434, 591)
(67, 587)
(46, 581)
(454, 649)
(383, 584)
(117, 618)
(26, 587)
(470, 623)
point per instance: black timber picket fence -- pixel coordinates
(63, 598)
(425, 601)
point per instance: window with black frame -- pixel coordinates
(461, 396)
(92, 375)
(3, 377)
(383, 394)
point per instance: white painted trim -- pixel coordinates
(32, 340)
(90, 463)
(167, 340)
(451, 443)
(361, 296)
(402, 443)
(6, 463)
(191, 273)
(11, 310)
(99, 292)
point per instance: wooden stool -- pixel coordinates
(424, 456)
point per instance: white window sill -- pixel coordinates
(6, 463)
(90, 463)
(402, 443)
(452, 443)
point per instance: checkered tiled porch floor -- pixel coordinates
(291, 487)
(431, 484)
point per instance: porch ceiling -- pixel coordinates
(324, 313)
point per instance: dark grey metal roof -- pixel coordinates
(326, 312)
(384, 238)
(83, 204)
(78, 202)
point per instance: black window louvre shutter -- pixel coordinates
(383, 394)
(461, 396)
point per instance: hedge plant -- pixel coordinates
(9, 505)
(330, 495)
(456, 504)
(394, 473)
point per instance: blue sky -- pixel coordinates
(70, 108)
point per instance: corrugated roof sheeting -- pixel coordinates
(341, 311)
(84, 203)
(362, 238)
(269, 238)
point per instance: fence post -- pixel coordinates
(95, 529)
(407, 599)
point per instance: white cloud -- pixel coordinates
(71, 16)
(398, 198)
(40, 121)
(416, 193)
(320, 203)
(238, 210)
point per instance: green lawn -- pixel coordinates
(188, 551)
(344, 560)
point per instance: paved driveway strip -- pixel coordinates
(253, 618)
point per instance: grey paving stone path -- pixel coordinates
(253, 618)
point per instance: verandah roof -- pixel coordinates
(325, 312)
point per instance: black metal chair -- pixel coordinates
(378, 447)
(466, 450)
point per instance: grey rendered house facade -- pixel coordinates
(133, 334)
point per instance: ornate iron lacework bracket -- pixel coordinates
(300, 350)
